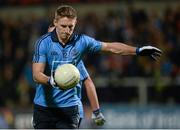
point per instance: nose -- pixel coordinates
(67, 30)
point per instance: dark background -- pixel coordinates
(118, 79)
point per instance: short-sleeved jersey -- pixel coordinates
(50, 51)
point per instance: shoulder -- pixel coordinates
(42, 42)
(44, 38)
(83, 38)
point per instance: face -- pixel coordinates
(65, 27)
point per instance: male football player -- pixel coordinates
(64, 46)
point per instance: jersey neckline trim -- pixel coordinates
(54, 38)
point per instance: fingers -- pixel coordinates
(153, 52)
(155, 56)
(100, 122)
(157, 50)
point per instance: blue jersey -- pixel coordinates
(50, 51)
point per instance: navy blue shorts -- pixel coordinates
(56, 118)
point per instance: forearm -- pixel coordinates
(92, 95)
(93, 99)
(119, 48)
(41, 78)
(38, 73)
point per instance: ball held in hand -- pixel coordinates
(67, 76)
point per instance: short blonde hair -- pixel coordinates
(65, 11)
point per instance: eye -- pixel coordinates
(64, 26)
(71, 26)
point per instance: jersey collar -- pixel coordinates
(54, 37)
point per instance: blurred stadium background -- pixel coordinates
(133, 92)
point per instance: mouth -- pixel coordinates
(65, 34)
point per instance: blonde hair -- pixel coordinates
(65, 11)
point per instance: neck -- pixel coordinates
(63, 41)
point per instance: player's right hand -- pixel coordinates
(98, 117)
(52, 82)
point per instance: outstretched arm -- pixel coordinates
(118, 48)
(123, 49)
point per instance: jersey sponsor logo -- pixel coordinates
(53, 53)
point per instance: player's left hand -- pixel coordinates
(151, 51)
(98, 117)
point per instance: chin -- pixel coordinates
(65, 38)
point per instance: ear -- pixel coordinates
(55, 22)
(76, 21)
